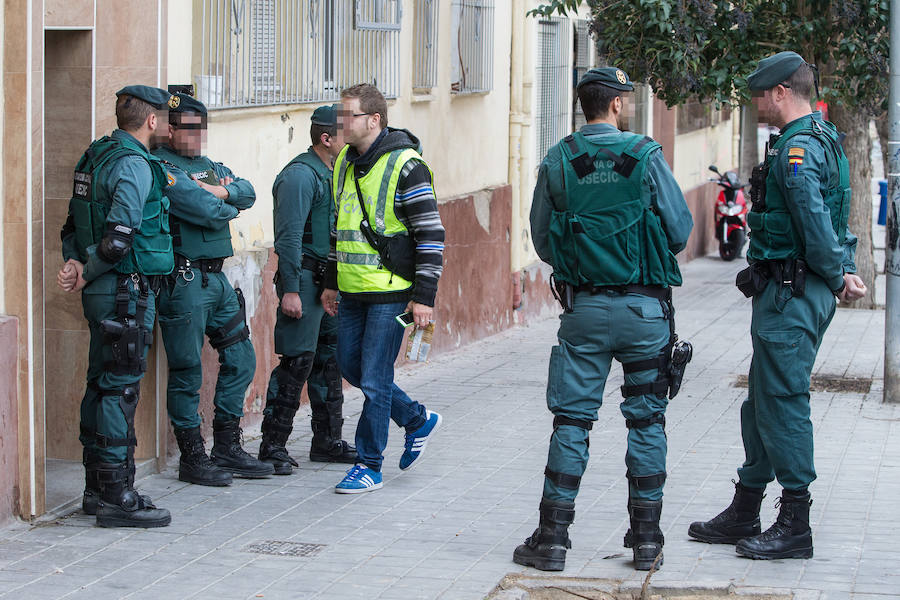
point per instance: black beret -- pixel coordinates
(188, 104)
(612, 77)
(774, 69)
(155, 97)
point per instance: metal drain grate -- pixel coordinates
(828, 383)
(282, 548)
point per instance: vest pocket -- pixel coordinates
(152, 246)
(607, 244)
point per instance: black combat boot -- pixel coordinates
(120, 505)
(644, 537)
(195, 465)
(740, 520)
(228, 455)
(276, 428)
(546, 548)
(789, 537)
(91, 496)
(327, 445)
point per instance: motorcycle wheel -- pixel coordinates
(732, 248)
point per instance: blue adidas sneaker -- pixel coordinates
(415, 444)
(359, 479)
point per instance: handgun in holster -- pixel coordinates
(682, 352)
(564, 293)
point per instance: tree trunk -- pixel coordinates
(749, 148)
(882, 125)
(858, 148)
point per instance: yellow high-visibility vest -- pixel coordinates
(358, 263)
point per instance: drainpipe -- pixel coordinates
(516, 118)
(892, 243)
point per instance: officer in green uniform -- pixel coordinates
(801, 257)
(116, 245)
(199, 300)
(305, 336)
(608, 216)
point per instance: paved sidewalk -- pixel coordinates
(447, 528)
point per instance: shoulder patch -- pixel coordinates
(170, 179)
(794, 162)
(796, 152)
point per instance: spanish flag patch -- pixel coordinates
(795, 159)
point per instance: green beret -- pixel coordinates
(188, 104)
(612, 77)
(326, 115)
(155, 97)
(774, 69)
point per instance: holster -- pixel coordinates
(126, 334)
(564, 293)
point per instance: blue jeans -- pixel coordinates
(369, 339)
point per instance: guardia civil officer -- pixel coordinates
(116, 245)
(608, 216)
(199, 300)
(801, 257)
(305, 336)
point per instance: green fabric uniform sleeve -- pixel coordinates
(294, 197)
(189, 202)
(803, 186)
(667, 198)
(240, 191)
(130, 181)
(541, 209)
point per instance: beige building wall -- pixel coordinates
(695, 151)
(465, 136)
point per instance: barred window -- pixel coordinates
(258, 52)
(553, 80)
(425, 35)
(472, 46)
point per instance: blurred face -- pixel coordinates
(625, 117)
(159, 133)
(335, 143)
(771, 104)
(188, 135)
(354, 123)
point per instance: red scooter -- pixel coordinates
(731, 214)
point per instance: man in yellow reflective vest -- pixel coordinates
(386, 260)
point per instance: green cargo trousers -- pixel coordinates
(101, 408)
(188, 312)
(775, 424)
(315, 331)
(629, 328)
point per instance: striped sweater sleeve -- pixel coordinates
(416, 207)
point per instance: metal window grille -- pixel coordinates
(553, 82)
(473, 46)
(257, 52)
(583, 45)
(425, 50)
(379, 15)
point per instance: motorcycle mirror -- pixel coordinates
(713, 169)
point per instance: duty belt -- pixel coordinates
(312, 263)
(183, 266)
(653, 291)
